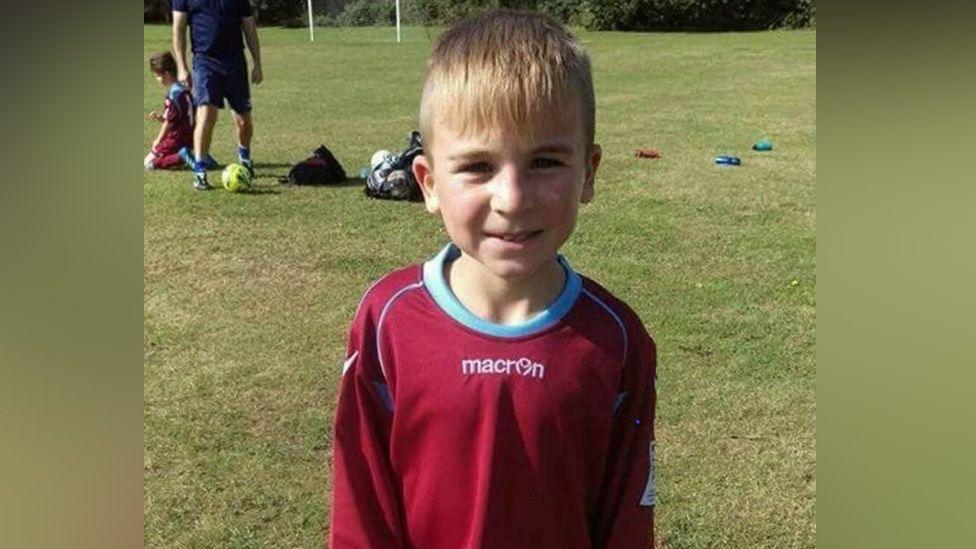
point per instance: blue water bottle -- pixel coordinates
(728, 160)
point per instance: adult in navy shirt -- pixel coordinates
(219, 72)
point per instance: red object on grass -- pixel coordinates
(647, 153)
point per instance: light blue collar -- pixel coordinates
(445, 298)
(174, 90)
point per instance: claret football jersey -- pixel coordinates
(455, 432)
(178, 111)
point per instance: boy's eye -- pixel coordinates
(543, 163)
(476, 167)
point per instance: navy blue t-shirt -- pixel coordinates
(215, 25)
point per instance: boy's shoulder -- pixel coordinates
(613, 305)
(382, 291)
(176, 90)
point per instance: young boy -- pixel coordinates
(171, 148)
(493, 397)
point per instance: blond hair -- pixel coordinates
(503, 67)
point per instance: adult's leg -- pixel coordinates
(208, 96)
(238, 94)
(245, 128)
(203, 131)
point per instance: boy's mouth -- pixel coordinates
(516, 236)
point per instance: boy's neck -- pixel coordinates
(501, 300)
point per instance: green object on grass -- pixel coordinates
(763, 145)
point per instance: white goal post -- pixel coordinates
(311, 22)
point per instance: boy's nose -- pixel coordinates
(510, 192)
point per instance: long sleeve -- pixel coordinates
(625, 518)
(366, 509)
(171, 110)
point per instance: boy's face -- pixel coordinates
(164, 78)
(509, 201)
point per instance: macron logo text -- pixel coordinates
(519, 366)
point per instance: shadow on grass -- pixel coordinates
(348, 182)
(258, 191)
(270, 166)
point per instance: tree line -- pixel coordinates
(626, 15)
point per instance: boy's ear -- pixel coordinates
(592, 163)
(422, 173)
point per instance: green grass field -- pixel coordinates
(248, 296)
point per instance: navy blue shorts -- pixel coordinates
(216, 79)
